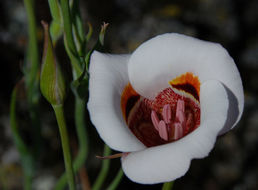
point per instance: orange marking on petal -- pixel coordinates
(128, 99)
(187, 82)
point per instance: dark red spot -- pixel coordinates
(129, 105)
(187, 88)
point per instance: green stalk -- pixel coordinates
(168, 185)
(36, 128)
(54, 10)
(56, 26)
(68, 25)
(68, 38)
(116, 180)
(28, 182)
(77, 19)
(104, 170)
(80, 104)
(75, 62)
(27, 160)
(78, 30)
(81, 132)
(32, 62)
(31, 74)
(59, 111)
(83, 141)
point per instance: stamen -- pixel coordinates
(155, 120)
(163, 133)
(178, 131)
(189, 122)
(175, 129)
(180, 112)
(166, 113)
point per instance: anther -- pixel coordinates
(166, 113)
(189, 122)
(155, 120)
(180, 112)
(163, 133)
(178, 131)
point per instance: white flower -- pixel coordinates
(165, 103)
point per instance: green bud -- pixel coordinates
(52, 83)
(102, 33)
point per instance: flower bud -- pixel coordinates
(52, 83)
(102, 33)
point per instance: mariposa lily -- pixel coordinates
(164, 104)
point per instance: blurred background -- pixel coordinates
(232, 164)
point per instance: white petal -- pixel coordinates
(108, 77)
(167, 56)
(171, 161)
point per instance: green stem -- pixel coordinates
(28, 182)
(59, 111)
(54, 10)
(31, 74)
(32, 62)
(81, 132)
(77, 19)
(56, 26)
(75, 62)
(36, 128)
(104, 170)
(78, 30)
(68, 38)
(83, 141)
(68, 25)
(27, 161)
(168, 185)
(116, 180)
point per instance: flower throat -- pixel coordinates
(171, 115)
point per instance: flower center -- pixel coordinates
(172, 130)
(174, 113)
